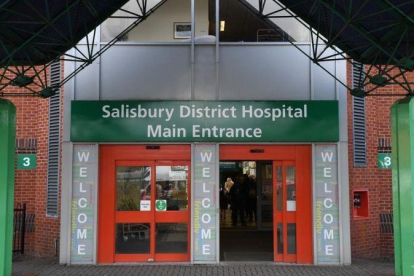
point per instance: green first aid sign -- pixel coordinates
(161, 205)
(384, 161)
(26, 161)
(204, 121)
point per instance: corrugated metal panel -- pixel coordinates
(52, 205)
(358, 116)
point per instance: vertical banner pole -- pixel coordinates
(402, 122)
(7, 149)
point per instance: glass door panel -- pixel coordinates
(152, 228)
(132, 238)
(291, 189)
(279, 188)
(133, 184)
(134, 219)
(279, 238)
(291, 238)
(172, 237)
(172, 186)
(264, 195)
(129, 227)
(285, 211)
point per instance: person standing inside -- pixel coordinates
(246, 203)
(228, 184)
(223, 203)
(238, 197)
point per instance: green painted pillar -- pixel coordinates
(402, 122)
(7, 148)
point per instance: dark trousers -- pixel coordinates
(237, 210)
(251, 209)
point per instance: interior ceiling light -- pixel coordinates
(222, 25)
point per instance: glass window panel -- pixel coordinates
(132, 238)
(287, 28)
(238, 24)
(291, 238)
(267, 182)
(133, 184)
(267, 216)
(171, 22)
(204, 21)
(291, 188)
(280, 238)
(91, 38)
(279, 188)
(171, 238)
(172, 185)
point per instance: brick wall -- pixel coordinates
(31, 185)
(366, 239)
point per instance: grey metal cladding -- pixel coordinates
(52, 203)
(359, 119)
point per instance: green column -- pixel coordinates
(7, 148)
(402, 122)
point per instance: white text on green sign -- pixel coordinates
(384, 161)
(26, 161)
(205, 121)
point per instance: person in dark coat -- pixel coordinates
(238, 194)
(223, 203)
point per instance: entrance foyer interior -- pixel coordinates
(246, 211)
(272, 195)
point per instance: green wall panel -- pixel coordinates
(7, 149)
(402, 116)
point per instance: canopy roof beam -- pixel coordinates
(387, 56)
(24, 70)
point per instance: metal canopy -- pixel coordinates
(375, 35)
(35, 34)
(369, 31)
(379, 33)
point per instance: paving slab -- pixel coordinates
(51, 267)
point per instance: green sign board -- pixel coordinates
(26, 161)
(384, 161)
(204, 121)
(161, 205)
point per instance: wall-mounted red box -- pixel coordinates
(361, 204)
